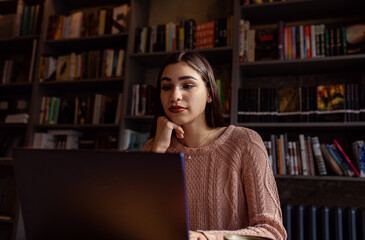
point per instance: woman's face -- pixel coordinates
(183, 94)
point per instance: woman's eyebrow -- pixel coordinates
(180, 78)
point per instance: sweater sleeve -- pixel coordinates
(264, 212)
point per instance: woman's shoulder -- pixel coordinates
(243, 133)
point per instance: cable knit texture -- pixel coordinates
(230, 185)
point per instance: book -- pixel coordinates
(355, 38)
(331, 102)
(330, 161)
(335, 156)
(310, 156)
(358, 148)
(120, 18)
(346, 158)
(44, 140)
(321, 167)
(289, 104)
(266, 41)
(63, 68)
(304, 159)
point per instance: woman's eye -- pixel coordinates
(188, 86)
(165, 88)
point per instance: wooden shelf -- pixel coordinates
(318, 178)
(19, 126)
(309, 9)
(304, 66)
(17, 40)
(56, 47)
(321, 190)
(16, 88)
(214, 56)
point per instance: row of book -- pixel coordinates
(312, 223)
(7, 197)
(12, 107)
(335, 103)
(185, 34)
(104, 21)
(24, 22)
(299, 41)
(27, 19)
(105, 63)
(8, 70)
(57, 139)
(92, 109)
(142, 100)
(308, 156)
(72, 139)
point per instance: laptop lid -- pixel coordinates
(88, 194)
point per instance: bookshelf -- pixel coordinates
(306, 190)
(87, 48)
(19, 42)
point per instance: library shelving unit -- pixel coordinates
(306, 190)
(18, 51)
(83, 88)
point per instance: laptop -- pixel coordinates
(92, 194)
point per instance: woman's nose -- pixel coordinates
(176, 94)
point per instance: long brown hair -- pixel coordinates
(213, 111)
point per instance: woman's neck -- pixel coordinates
(196, 135)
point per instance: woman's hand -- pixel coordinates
(163, 134)
(196, 236)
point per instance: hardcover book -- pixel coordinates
(289, 104)
(266, 41)
(331, 103)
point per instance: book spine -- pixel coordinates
(333, 154)
(303, 154)
(346, 157)
(318, 155)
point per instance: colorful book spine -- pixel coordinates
(318, 155)
(334, 155)
(346, 157)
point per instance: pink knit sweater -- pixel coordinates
(230, 185)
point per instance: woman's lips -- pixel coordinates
(177, 109)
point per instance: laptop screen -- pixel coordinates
(76, 194)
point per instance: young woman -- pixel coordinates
(230, 185)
